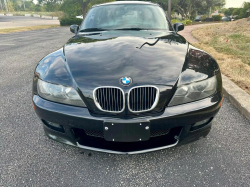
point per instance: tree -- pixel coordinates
(229, 11)
(87, 4)
(10, 6)
(185, 7)
(38, 8)
(29, 5)
(73, 7)
(243, 13)
(17, 5)
(4, 5)
(237, 11)
(188, 7)
(51, 5)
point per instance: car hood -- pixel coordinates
(91, 60)
(149, 58)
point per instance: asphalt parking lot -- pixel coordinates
(29, 158)
(22, 21)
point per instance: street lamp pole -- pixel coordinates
(169, 10)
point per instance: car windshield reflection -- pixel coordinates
(126, 16)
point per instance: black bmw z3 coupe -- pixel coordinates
(127, 83)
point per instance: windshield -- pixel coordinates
(125, 16)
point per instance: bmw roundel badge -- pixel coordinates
(126, 81)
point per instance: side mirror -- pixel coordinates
(74, 28)
(178, 27)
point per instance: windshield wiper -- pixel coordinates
(133, 29)
(92, 30)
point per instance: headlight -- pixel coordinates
(194, 91)
(59, 93)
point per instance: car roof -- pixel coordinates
(127, 2)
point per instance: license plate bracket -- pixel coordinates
(126, 132)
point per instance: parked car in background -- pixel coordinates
(226, 19)
(208, 20)
(198, 19)
(81, 16)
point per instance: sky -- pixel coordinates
(234, 3)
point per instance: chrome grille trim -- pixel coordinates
(149, 103)
(108, 95)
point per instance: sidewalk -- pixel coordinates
(186, 33)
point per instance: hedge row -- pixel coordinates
(217, 17)
(185, 22)
(70, 21)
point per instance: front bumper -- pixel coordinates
(76, 122)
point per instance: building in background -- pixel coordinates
(217, 13)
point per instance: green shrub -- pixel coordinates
(188, 22)
(70, 21)
(204, 17)
(217, 17)
(185, 22)
(173, 21)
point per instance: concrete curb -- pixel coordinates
(36, 16)
(46, 17)
(238, 97)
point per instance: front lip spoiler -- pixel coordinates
(127, 153)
